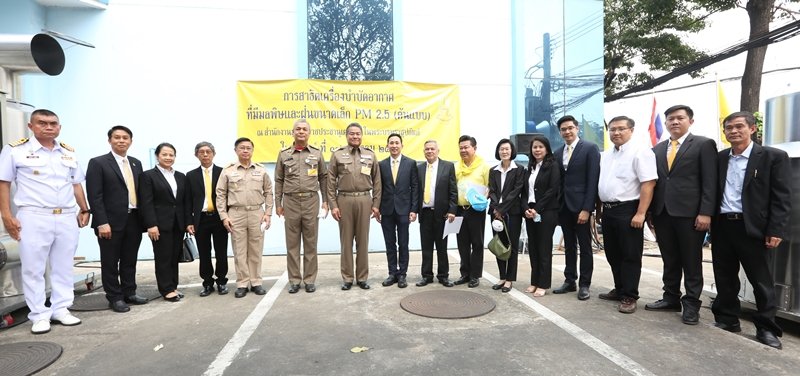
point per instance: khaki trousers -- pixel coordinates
(248, 245)
(354, 224)
(301, 220)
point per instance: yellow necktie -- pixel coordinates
(209, 197)
(126, 170)
(394, 170)
(569, 153)
(671, 154)
(426, 196)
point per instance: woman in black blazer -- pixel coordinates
(161, 192)
(505, 188)
(542, 185)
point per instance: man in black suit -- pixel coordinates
(203, 219)
(111, 186)
(683, 203)
(754, 202)
(399, 205)
(579, 162)
(437, 180)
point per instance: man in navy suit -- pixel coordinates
(112, 181)
(753, 202)
(579, 162)
(683, 203)
(437, 179)
(399, 205)
(203, 220)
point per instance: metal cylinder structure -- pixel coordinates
(31, 53)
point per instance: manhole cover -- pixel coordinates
(448, 304)
(25, 358)
(97, 301)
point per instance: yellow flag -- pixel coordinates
(723, 112)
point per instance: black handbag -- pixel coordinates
(496, 246)
(189, 249)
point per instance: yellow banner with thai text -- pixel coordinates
(418, 112)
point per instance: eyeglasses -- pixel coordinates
(568, 129)
(617, 130)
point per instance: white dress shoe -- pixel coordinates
(40, 327)
(66, 319)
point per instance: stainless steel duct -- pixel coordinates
(31, 53)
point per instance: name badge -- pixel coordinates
(312, 172)
(365, 170)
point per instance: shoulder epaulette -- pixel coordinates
(313, 147)
(287, 148)
(18, 142)
(366, 148)
(230, 165)
(333, 150)
(65, 146)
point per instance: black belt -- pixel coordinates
(209, 213)
(430, 208)
(614, 204)
(732, 216)
(132, 210)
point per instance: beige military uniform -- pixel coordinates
(300, 176)
(352, 173)
(244, 195)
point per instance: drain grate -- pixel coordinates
(448, 304)
(25, 358)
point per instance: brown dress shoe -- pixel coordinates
(627, 305)
(611, 295)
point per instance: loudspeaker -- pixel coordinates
(522, 142)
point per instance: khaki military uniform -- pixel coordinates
(244, 195)
(300, 176)
(352, 173)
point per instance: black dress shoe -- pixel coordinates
(173, 299)
(424, 282)
(611, 295)
(689, 316)
(258, 290)
(135, 299)
(474, 283)
(310, 287)
(207, 290)
(347, 285)
(401, 282)
(389, 281)
(180, 295)
(240, 292)
(119, 306)
(768, 338)
(583, 293)
(505, 289)
(293, 289)
(446, 282)
(733, 328)
(663, 306)
(462, 281)
(222, 289)
(565, 288)
(497, 286)
(363, 284)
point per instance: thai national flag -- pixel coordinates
(656, 127)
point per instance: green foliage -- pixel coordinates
(642, 36)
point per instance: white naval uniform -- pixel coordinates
(47, 213)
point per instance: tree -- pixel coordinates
(636, 40)
(350, 40)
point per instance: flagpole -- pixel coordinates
(717, 135)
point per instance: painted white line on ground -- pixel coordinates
(250, 324)
(200, 284)
(618, 358)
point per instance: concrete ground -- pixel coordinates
(313, 334)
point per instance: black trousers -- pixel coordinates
(470, 242)
(540, 248)
(508, 269)
(431, 229)
(395, 236)
(165, 257)
(623, 245)
(118, 259)
(576, 236)
(210, 226)
(731, 247)
(681, 249)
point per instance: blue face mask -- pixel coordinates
(478, 201)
